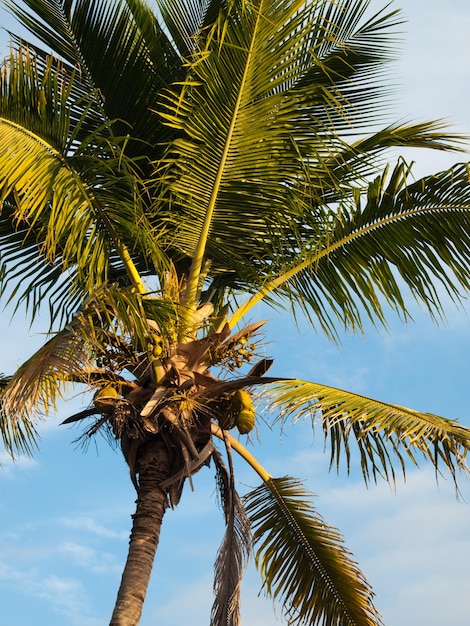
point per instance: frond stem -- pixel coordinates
(197, 262)
(242, 451)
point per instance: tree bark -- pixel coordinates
(152, 502)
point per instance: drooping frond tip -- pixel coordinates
(302, 560)
(385, 434)
(18, 432)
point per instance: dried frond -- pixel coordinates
(233, 554)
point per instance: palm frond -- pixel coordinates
(77, 212)
(183, 20)
(417, 232)
(263, 121)
(233, 553)
(18, 435)
(39, 383)
(398, 237)
(111, 330)
(302, 560)
(385, 434)
(29, 278)
(124, 56)
(26, 276)
(125, 315)
(38, 178)
(47, 97)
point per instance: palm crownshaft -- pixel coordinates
(161, 169)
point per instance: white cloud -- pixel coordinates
(64, 595)
(188, 603)
(10, 467)
(80, 553)
(90, 525)
(413, 546)
(98, 562)
(191, 603)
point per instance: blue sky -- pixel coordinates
(65, 514)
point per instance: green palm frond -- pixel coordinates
(124, 56)
(26, 277)
(415, 232)
(264, 116)
(183, 20)
(302, 560)
(384, 434)
(400, 236)
(39, 383)
(38, 178)
(77, 212)
(48, 98)
(18, 435)
(125, 314)
(357, 162)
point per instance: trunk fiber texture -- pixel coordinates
(152, 501)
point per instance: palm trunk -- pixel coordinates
(152, 502)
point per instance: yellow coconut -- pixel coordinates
(104, 399)
(242, 400)
(245, 421)
(157, 345)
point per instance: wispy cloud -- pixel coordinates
(98, 562)
(64, 595)
(10, 468)
(188, 603)
(88, 524)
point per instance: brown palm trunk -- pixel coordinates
(152, 501)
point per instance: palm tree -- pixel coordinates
(163, 171)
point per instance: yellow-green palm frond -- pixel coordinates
(384, 434)
(302, 560)
(18, 436)
(241, 121)
(107, 337)
(123, 313)
(24, 278)
(76, 214)
(272, 94)
(46, 97)
(400, 237)
(68, 156)
(354, 163)
(54, 202)
(187, 21)
(35, 388)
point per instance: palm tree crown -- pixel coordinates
(161, 172)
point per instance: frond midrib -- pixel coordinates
(318, 256)
(195, 271)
